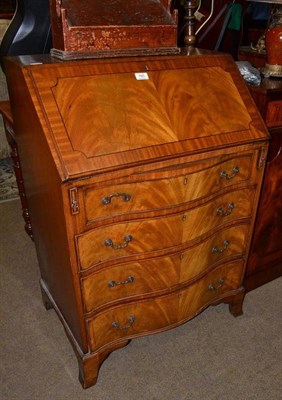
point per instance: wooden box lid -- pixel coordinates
(99, 28)
(107, 114)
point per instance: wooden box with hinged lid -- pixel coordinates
(102, 28)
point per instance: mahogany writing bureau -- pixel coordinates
(142, 178)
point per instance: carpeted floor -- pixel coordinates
(213, 357)
(8, 186)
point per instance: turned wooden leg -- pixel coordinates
(19, 177)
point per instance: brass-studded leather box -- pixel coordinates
(101, 28)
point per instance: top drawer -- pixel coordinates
(164, 188)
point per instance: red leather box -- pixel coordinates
(102, 28)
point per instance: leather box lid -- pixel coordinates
(111, 25)
(117, 12)
(102, 115)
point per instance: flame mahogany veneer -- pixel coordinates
(142, 177)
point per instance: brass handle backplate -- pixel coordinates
(129, 324)
(225, 175)
(221, 249)
(110, 243)
(223, 213)
(107, 200)
(214, 288)
(130, 279)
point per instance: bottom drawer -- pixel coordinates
(146, 276)
(149, 316)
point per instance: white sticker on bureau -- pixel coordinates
(141, 76)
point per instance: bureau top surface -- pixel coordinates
(100, 115)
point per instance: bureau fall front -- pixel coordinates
(142, 177)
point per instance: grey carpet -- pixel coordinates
(8, 185)
(215, 356)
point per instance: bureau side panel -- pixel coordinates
(265, 260)
(44, 194)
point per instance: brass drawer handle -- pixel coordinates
(214, 288)
(225, 175)
(109, 243)
(223, 213)
(130, 322)
(106, 200)
(130, 279)
(221, 249)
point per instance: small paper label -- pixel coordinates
(141, 76)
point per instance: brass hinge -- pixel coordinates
(262, 157)
(74, 204)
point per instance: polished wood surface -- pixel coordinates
(171, 186)
(174, 230)
(112, 283)
(141, 113)
(165, 311)
(142, 202)
(265, 260)
(77, 157)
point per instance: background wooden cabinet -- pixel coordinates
(265, 260)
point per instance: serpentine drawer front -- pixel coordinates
(159, 273)
(144, 236)
(142, 193)
(146, 316)
(168, 187)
